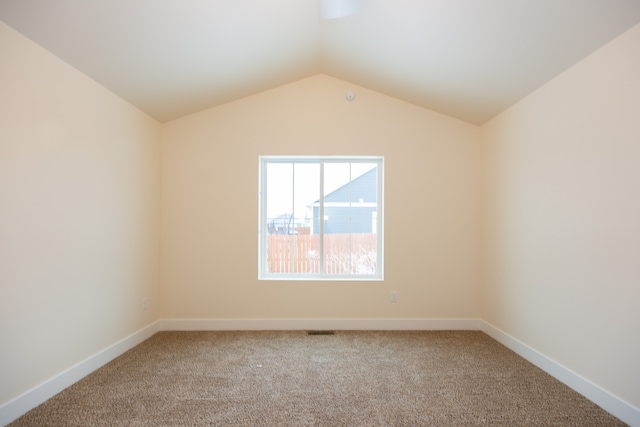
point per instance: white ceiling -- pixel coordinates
(469, 59)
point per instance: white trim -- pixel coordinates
(346, 204)
(326, 159)
(20, 405)
(320, 275)
(318, 324)
(603, 398)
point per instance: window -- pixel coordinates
(321, 218)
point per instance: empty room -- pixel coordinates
(320, 212)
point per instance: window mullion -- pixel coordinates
(350, 221)
(291, 218)
(321, 223)
(263, 226)
(379, 217)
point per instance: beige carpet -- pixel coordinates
(294, 379)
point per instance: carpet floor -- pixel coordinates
(290, 378)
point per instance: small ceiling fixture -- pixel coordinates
(350, 96)
(331, 9)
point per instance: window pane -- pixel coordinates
(279, 197)
(350, 203)
(364, 218)
(292, 188)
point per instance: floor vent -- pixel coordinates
(321, 332)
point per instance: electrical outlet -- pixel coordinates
(394, 296)
(144, 303)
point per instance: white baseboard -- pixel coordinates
(18, 406)
(601, 397)
(318, 324)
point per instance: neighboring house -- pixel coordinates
(351, 208)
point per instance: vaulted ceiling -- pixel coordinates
(469, 59)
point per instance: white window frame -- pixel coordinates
(263, 274)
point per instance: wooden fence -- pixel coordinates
(343, 253)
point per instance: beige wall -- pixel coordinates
(210, 202)
(79, 216)
(562, 242)
(94, 212)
